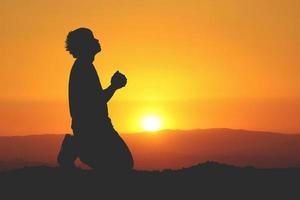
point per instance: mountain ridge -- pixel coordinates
(173, 149)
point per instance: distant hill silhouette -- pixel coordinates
(170, 149)
(209, 180)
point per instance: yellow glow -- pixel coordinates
(151, 123)
(195, 64)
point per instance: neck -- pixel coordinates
(89, 59)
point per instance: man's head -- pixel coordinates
(81, 43)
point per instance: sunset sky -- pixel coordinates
(192, 63)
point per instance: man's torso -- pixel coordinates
(87, 105)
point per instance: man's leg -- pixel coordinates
(123, 153)
(68, 152)
(110, 154)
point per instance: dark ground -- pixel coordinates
(209, 180)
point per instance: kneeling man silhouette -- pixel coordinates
(94, 139)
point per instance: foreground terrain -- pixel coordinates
(209, 180)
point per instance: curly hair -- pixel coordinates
(76, 41)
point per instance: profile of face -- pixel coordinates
(91, 44)
(82, 43)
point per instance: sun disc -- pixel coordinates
(151, 123)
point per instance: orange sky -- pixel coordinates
(196, 64)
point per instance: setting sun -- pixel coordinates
(151, 123)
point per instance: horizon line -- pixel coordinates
(165, 130)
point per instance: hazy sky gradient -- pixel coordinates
(197, 64)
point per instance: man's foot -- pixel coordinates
(68, 153)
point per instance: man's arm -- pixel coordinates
(108, 93)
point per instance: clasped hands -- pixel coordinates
(118, 80)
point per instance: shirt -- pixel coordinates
(87, 104)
